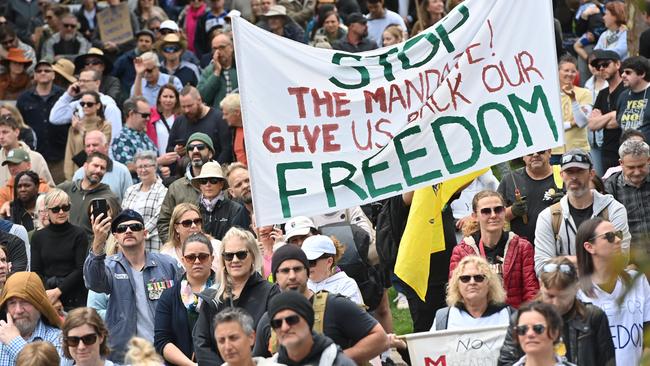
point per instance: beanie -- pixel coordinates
(292, 300)
(200, 136)
(288, 251)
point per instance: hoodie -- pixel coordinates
(323, 353)
(338, 283)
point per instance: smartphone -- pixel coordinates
(99, 206)
(76, 89)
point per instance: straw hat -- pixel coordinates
(211, 169)
(80, 61)
(17, 55)
(276, 11)
(65, 68)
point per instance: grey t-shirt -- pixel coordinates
(144, 317)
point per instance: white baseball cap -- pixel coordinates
(317, 245)
(298, 226)
(169, 24)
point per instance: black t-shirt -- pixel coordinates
(634, 111)
(606, 102)
(344, 322)
(537, 193)
(496, 254)
(213, 125)
(580, 215)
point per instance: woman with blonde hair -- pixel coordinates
(239, 284)
(142, 353)
(27, 135)
(392, 35)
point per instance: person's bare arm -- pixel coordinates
(370, 346)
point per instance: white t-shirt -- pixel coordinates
(457, 319)
(625, 320)
(162, 133)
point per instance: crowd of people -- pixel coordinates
(128, 233)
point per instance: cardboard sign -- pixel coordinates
(114, 24)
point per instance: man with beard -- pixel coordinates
(123, 68)
(199, 150)
(357, 39)
(538, 190)
(30, 317)
(360, 336)
(634, 105)
(88, 189)
(579, 204)
(197, 117)
(220, 76)
(239, 185)
(68, 42)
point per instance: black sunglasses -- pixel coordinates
(87, 104)
(166, 31)
(136, 226)
(211, 180)
(188, 223)
(286, 270)
(610, 236)
(291, 320)
(57, 209)
(200, 147)
(487, 211)
(313, 262)
(70, 26)
(88, 339)
(537, 152)
(523, 329)
(229, 256)
(43, 71)
(477, 278)
(192, 257)
(144, 115)
(600, 64)
(93, 62)
(171, 49)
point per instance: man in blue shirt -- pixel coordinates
(149, 79)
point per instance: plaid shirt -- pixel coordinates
(152, 205)
(635, 201)
(43, 332)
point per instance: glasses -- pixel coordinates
(553, 267)
(477, 278)
(199, 147)
(88, 339)
(487, 211)
(171, 49)
(8, 42)
(57, 209)
(313, 262)
(43, 71)
(610, 236)
(286, 270)
(145, 166)
(189, 222)
(523, 329)
(202, 257)
(87, 104)
(135, 227)
(70, 26)
(144, 115)
(229, 256)
(212, 180)
(601, 64)
(575, 158)
(93, 62)
(291, 320)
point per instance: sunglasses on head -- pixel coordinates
(211, 180)
(171, 49)
(88, 339)
(553, 267)
(136, 226)
(202, 257)
(575, 158)
(487, 211)
(87, 104)
(229, 256)
(610, 236)
(291, 320)
(199, 147)
(477, 278)
(57, 209)
(286, 270)
(188, 223)
(523, 329)
(601, 64)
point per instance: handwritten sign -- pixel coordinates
(326, 130)
(476, 346)
(114, 24)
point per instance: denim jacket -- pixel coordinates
(112, 275)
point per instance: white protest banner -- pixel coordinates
(465, 347)
(327, 130)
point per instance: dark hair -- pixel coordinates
(85, 316)
(550, 314)
(374, 1)
(17, 205)
(617, 8)
(177, 106)
(98, 99)
(567, 59)
(10, 122)
(97, 154)
(598, 183)
(6, 30)
(324, 11)
(638, 64)
(200, 238)
(131, 104)
(629, 133)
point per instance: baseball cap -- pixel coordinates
(356, 18)
(317, 245)
(169, 24)
(575, 158)
(605, 55)
(16, 156)
(299, 225)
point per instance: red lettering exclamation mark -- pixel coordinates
(491, 35)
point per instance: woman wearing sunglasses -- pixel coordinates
(509, 255)
(85, 338)
(90, 118)
(624, 295)
(219, 213)
(58, 253)
(239, 284)
(537, 331)
(585, 338)
(177, 310)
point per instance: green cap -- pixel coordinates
(16, 156)
(200, 136)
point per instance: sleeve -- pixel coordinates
(36, 260)
(456, 256)
(241, 218)
(531, 285)
(74, 279)
(203, 340)
(355, 323)
(97, 276)
(503, 188)
(605, 353)
(510, 351)
(209, 85)
(61, 113)
(164, 325)
(177, 83)
(98, 302)
(620, 46)
(262, 336)
(48, 49)
(114, 117)
(17, 252)
(20, 231)
(544, 240)
(644, 44)
(114, 90)
(618, 218)
(153, 221)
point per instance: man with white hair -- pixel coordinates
(231, 109)
(149, 79)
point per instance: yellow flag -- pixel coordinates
(424, 234)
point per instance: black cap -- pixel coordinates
(575, 158)
(605, 55)
(292, 300)
(286, 252)
(145, 32)
(126, 215)
(356, 18)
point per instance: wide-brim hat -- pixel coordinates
(65, 68)
(171, 38)
(211, 169)
(17, 55)
(79, 61)
(276, 11)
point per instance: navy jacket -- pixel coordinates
(171, 323)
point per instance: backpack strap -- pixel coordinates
(556, 219)
(320, 303)
(604, 214)
(442, 319)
